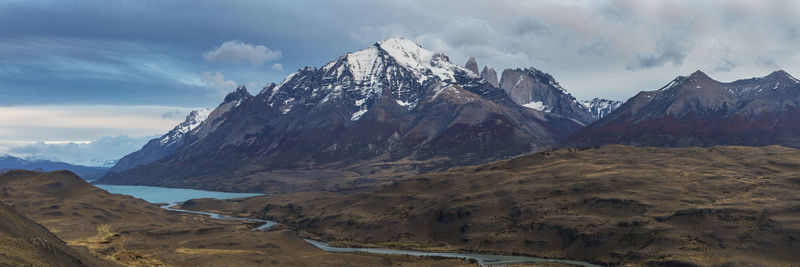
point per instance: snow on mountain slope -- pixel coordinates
(197, 125)
(538, 105)
(395, 66)
(601, 107)
(192, 121)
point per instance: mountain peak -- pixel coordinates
(398, 41)
(781, 74)
(405, 52)
(239, 94)
(543, 77)
(472, 65)
(395, 67)
(490, 75)
(368, 64)
(699, 75)
(192, 121)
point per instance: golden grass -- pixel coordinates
(208, 251)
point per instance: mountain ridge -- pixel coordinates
(182, 134)
(393, 101)
(8, 162)
(696, 110)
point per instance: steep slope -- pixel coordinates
(393, 102)
(538, 90)
(696, 110)
(183, 134)
(614, 205)
(490, 76)
(10, 163)
(600, 108)
(25, 243)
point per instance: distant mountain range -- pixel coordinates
(370, 111)
(11, 163)
(696, 110)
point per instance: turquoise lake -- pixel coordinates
(154, 194)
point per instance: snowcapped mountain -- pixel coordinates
(396, 68)
(696, 110)
(601, 107)
(535, 89)
(389, 103)
(183, 134)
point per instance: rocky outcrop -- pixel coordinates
(535, 89)
(490, 76)
(472, 65)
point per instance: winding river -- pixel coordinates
(175, 196)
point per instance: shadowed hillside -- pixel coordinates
(26, 243)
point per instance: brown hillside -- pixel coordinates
(25, 243)
(610, 205)
(133, 232)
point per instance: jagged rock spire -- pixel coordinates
(490, 75)
(472, 65)
(239, 94)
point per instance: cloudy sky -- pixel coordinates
(80, 76)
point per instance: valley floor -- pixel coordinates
(610, 205)
(124, 230)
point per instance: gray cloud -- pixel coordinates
(217, 81)
(469, 31)
(667, 50)
(598, 47)
(237, 52)
(556, 36)
(768, 63)
(726, 65)
(529, 24)
(174, 114)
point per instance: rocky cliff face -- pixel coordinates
(391, 102)
(538, 90)
(490, 76)
(472, 65)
